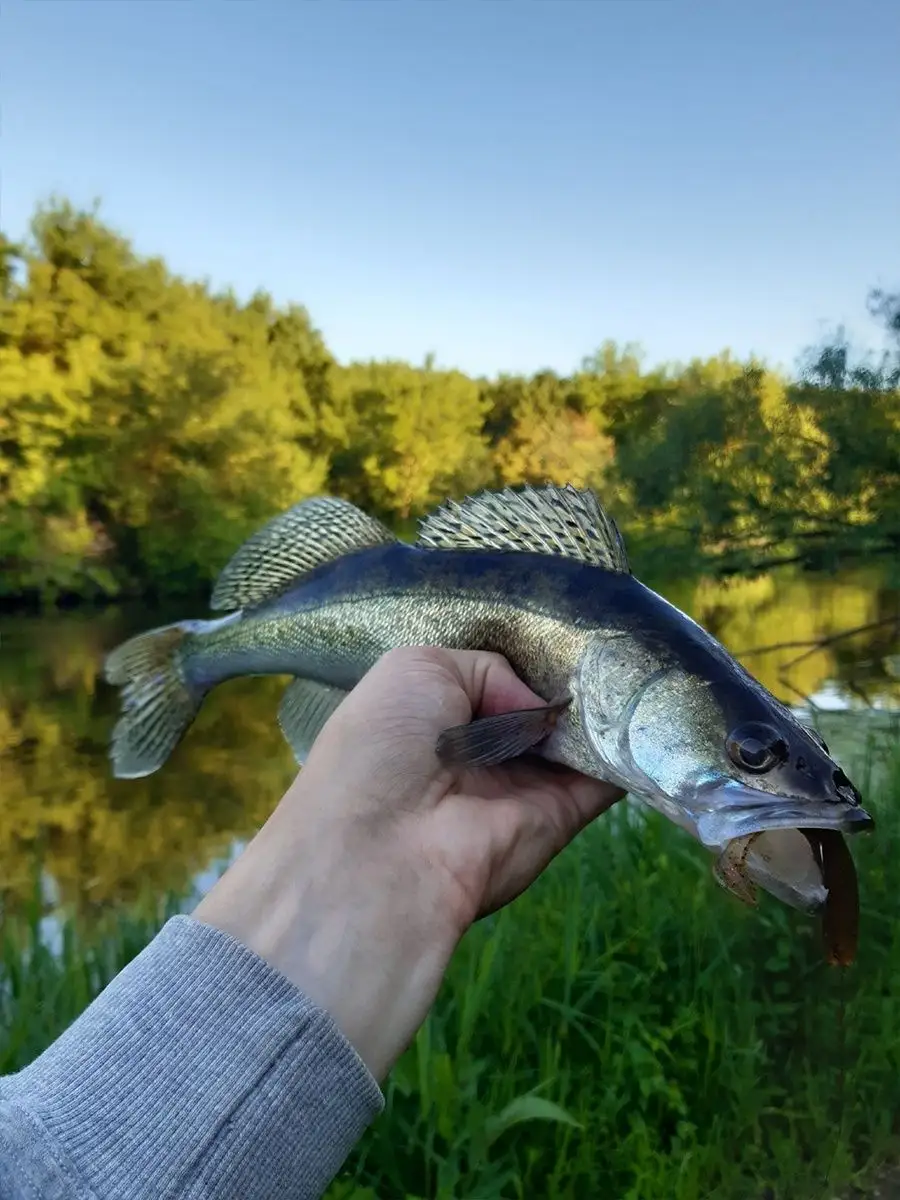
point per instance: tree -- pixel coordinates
(415, 436)
(144, 423)
(148, 424)
(547, 430)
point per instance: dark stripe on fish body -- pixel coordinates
(581, 594)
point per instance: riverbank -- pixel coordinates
(625, 1029)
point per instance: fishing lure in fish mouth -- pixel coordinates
(830, 880)
(637, 693)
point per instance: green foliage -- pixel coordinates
(148, 424)
(413, 435)
(740, 470)
(623, 1030)
(547, 428)
(145, 424)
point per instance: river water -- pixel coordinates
(104, 843)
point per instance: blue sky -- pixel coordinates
(503, 182)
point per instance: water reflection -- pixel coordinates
(104, 842)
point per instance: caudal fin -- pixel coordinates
(157, 703)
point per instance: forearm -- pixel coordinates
(365, 936)
(199, 1072)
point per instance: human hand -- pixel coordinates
(379, 858)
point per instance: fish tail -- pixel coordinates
(158, 701)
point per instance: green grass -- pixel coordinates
(625, 1031)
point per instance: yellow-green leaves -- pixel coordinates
(146, 424)
(149, 424)
(415, 435)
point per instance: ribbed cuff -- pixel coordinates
(200, 1072)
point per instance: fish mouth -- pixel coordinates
(734, 810)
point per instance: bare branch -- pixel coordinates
(817, 644)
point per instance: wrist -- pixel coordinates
(364, 933)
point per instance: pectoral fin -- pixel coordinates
(304, 709)
(487, 741)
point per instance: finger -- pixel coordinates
(531, 825)
(490, 683)
(592, 797)
(492, 688)
(566, 810)
(586, 796)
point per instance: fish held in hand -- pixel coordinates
(638, 693)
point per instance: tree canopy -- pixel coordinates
(149, 423)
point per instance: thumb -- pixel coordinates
(489, 682)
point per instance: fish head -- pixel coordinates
(722, 757)
(772, 772)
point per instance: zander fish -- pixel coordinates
(638, 693)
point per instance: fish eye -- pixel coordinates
(756, 747)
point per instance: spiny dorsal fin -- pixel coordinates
(314, 532)
(566, 521)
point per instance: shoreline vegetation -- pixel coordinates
(149, 424)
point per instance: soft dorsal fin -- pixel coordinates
(313, 532)
(566, 521)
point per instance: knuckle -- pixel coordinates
(406, 656)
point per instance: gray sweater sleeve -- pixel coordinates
(200, 1072)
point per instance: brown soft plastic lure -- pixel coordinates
(840, 923)
(730, 869)
(840, 914)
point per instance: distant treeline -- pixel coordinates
(147, 424)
